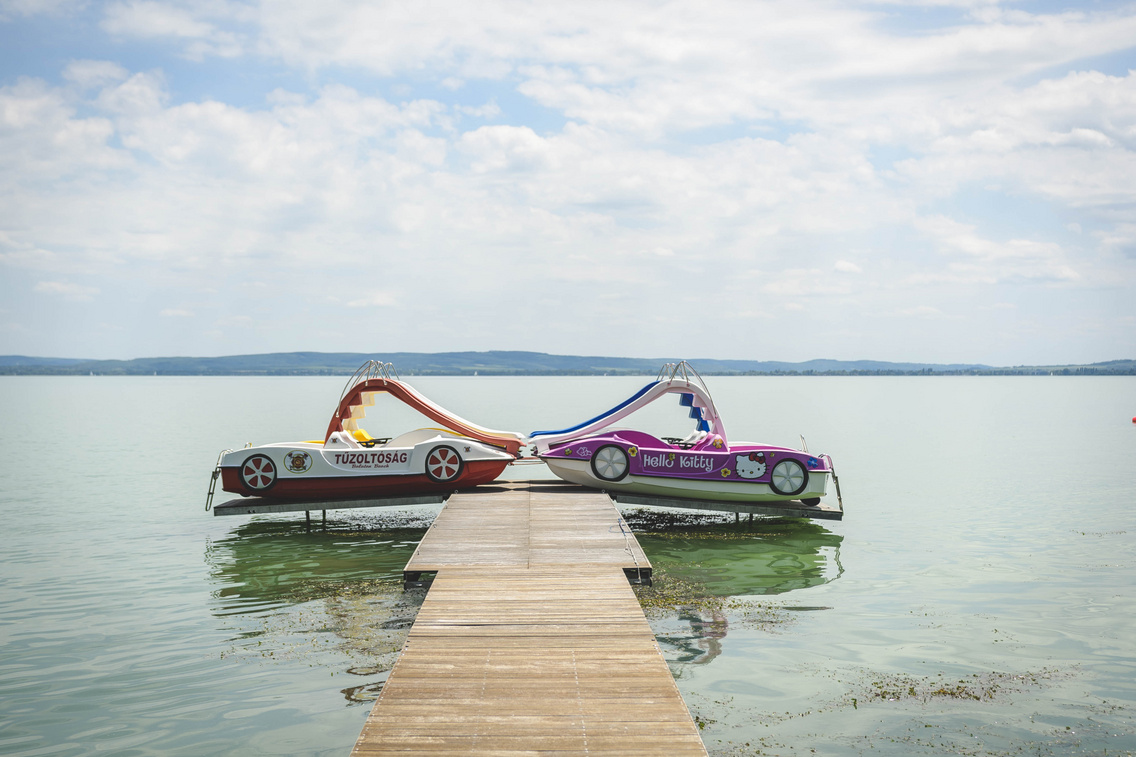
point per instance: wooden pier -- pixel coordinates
(526, 525)
(530, 639)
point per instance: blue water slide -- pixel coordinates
(687, 400)
(599, 417)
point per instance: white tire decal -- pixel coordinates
(258, 473)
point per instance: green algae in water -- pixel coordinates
(329, 597)
(265, 563)
(729, 558)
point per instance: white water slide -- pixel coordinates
(674, 378)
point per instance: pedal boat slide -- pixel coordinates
(703, 465)
(349, 463)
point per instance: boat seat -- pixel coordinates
(709, 440)
(342, 440)
(366, 440)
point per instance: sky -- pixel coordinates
(932, 181)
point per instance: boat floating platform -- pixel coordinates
(257, 505)
(792, 509)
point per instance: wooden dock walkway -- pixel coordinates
(530, 639)
(530, 524)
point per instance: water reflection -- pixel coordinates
(326, 598)
(706, 567)
(728, 559)
(703, 643)
(365, 694)
(285, 591)
(266, 564)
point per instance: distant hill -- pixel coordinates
(506, 363)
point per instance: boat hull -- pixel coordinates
(418, 462)
(580, 472)
(363, 486)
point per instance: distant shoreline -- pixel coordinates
(503, 363)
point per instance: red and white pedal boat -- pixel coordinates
(350, 463)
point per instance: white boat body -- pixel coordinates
(342, 455)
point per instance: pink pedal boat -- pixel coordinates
(351, 464)
(703, 465)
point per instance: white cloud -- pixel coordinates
(43, 139)
(650, 67)
(24, 8)
(66, 290)
(507, 148)
(975, 259)
(156, 19)
(488, 110)
(374, 300)
(149, 18)
(25, 255)
(90, 74)
(802, 283)
(758, 157)
(140, 95)
(923, 311)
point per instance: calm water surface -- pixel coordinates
(978, 599)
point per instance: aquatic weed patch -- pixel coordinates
(977, 687)
(308, 590)
(706, 525)
(761, 615)
(643, 519)
(691, 625)
(986, 714)
(392, 521)
(669, 593)
(1096, 728)
(366, 622)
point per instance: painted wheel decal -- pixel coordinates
(443, 464)
(258, 473)
(610, 463)
(788, 477)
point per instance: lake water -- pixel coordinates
(977, 599)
